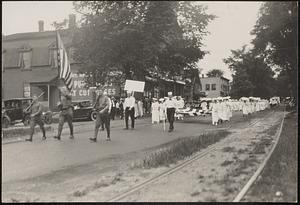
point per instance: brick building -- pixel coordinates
(215, 86)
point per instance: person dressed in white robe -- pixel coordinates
(155, 111)
(141, 108)
(136, 108)
(214, 112)
(204, 106)
(245, 108)
(220, 110)
(162, 110)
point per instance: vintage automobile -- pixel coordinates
(14, 110)
(83, 110)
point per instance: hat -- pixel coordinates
(154, 99)
(161, 99)
(170, 93)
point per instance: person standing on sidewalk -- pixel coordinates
(102, 106)
(113, 108)
(36, 118)
(66, 112)
(129, 109)
(170, 107)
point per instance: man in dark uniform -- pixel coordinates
(102, 105)
(36, 110)
(66, 113)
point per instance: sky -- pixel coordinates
(230, 31)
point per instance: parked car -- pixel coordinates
(83, 110)
(13, 111)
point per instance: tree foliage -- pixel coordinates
(215, 73)
(132, 39)
(276, 37)
(252, 76)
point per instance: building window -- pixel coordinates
(207, 87)
(25, 59)
(213, 86)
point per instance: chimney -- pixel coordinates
(72, 21)
(41, 26)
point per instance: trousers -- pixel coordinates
(130, 113)
(63, 117)
(170, 116)
(33, 122)
(102, 119)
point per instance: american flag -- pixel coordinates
(64, 68)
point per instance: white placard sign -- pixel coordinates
(133, 85)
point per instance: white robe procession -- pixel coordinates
(155, 112)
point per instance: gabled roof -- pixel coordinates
(34, 35)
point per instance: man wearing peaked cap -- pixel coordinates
(170, 108)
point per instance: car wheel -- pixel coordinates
(26, 120)
(94, 115)
(5, 122)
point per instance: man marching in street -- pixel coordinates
(102, 105)
(36, 118)
(170, 107)
(129, 109)
(66, 112)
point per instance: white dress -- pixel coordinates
(155, 112)
(141, 111)
(162, 112)
(214, 113)
(136, 110)
(245, 109)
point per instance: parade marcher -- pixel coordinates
(136, 109)
(121, 108)
(214, 113)
(220, 110)
(204, 106)
(170, 109)
(129, 109)
(162, 110)
(66, 112)
(109, 109)
(102, 106)
(155, 111)
(117, 108)
(141, 108)
(113, 108)
(245, 108)
(36, 110)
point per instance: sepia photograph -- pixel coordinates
(149, 101)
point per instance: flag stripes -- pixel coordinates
(63, 64)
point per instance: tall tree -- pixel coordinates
(252, 76)
(276, 35)
(138, 38)
(215, 73)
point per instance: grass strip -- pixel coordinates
(180, 149)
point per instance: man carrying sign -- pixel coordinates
(129, 109)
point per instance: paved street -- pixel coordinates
(25, 160)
